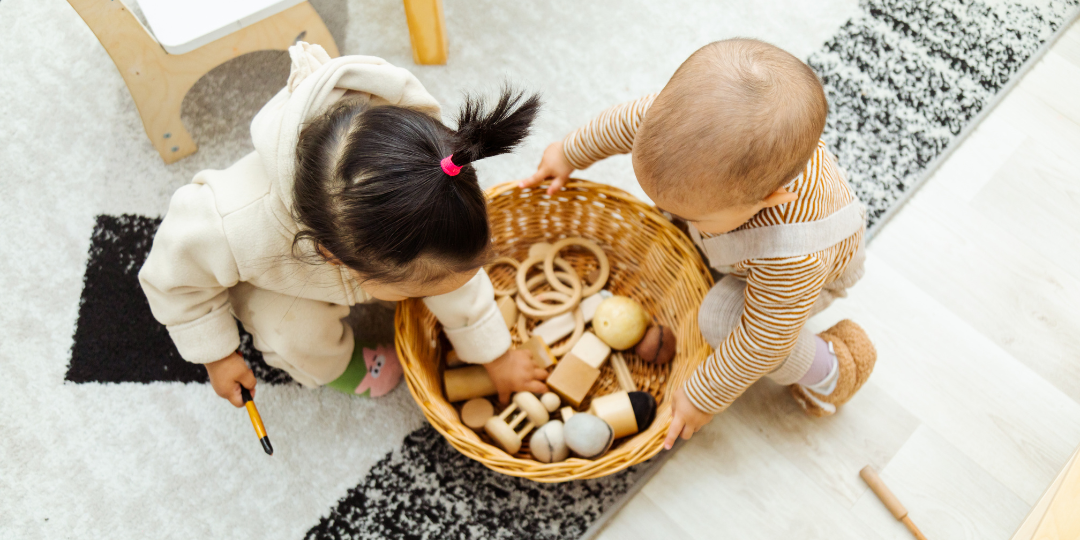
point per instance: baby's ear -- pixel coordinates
(778, 197)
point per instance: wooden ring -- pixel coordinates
(523, 334)
(574, 290)
(503, 260)
(579, 330)
(551, 311)
(601, 257)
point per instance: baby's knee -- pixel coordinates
(721, 310)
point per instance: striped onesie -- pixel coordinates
(754, 316)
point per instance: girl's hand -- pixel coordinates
(553, 165)
(515, 372)
(228, 374)
(686, 419)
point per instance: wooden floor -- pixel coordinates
(972, 296)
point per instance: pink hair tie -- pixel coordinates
(448, 166)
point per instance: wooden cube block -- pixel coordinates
(572, 379)
(509, 311)
(555, 328)
(591, 350)
(541, 354)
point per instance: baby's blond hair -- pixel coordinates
(739, 119)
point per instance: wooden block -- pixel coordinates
(541, 354)
(476, 412)
(467, 383)
(572, 379)
(622, 373)
(591, 350)
(566, 413)
(555, 328)
(509, 311)
(616, 410)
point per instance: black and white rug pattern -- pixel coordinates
(905, 79)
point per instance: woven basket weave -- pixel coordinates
(651, 262)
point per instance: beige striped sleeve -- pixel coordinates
(779, 294)
(608, 134)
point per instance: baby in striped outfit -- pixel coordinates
(732, 146)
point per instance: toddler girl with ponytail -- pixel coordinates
(355, 192)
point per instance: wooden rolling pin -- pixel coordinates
(891, 502)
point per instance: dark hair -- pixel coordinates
(370, 190)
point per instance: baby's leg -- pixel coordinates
(306, 338)
(720, 313)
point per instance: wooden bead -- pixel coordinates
(467, 383)
(476, 412)
(551, 401)
(601, 257)
(658, 345)
(504, 260)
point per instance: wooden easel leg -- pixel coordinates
(427, 31)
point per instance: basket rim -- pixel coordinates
(630, 452)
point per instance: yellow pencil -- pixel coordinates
(256, 421)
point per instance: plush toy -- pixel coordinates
(587, 435)
(548, 444)
(658, 345)
(620, 322)
(383, 371)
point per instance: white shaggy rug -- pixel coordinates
(99, 439)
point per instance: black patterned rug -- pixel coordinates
(906, 81)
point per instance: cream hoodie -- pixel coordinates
(235, 225)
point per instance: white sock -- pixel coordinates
(825, 362)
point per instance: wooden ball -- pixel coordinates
(658, 345)
(551, 401)
(548, 444)
(587, 435)
(620, 322)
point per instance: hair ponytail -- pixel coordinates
(370, 189)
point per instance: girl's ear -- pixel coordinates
(778, 197)
(330, 258)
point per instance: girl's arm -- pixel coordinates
(187, 275)
(472, 321)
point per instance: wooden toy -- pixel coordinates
(587, 435)
(540, 310)
(590, 303)
(509, 311)
(601, 257)
(541, 354)
(467, 383)
(658, 345)
(622, 373)
(551, 401)
(548, 444)
(506, 431)
(574, 289)
(870, 476)
(591, 350)
(476, 412)
(572, 379)
(620, 322)
(626, 412)
(512, 262)
(453, 360)
(566, 413)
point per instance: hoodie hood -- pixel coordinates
(315, 83)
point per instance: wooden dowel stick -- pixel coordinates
(889, 500)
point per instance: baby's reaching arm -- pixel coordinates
(606, 135)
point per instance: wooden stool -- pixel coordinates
(158, 81)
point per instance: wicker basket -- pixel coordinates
(651, 261)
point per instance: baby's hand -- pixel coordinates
(553, 165)
(228, 374)
(686, 419)
(515, 372)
